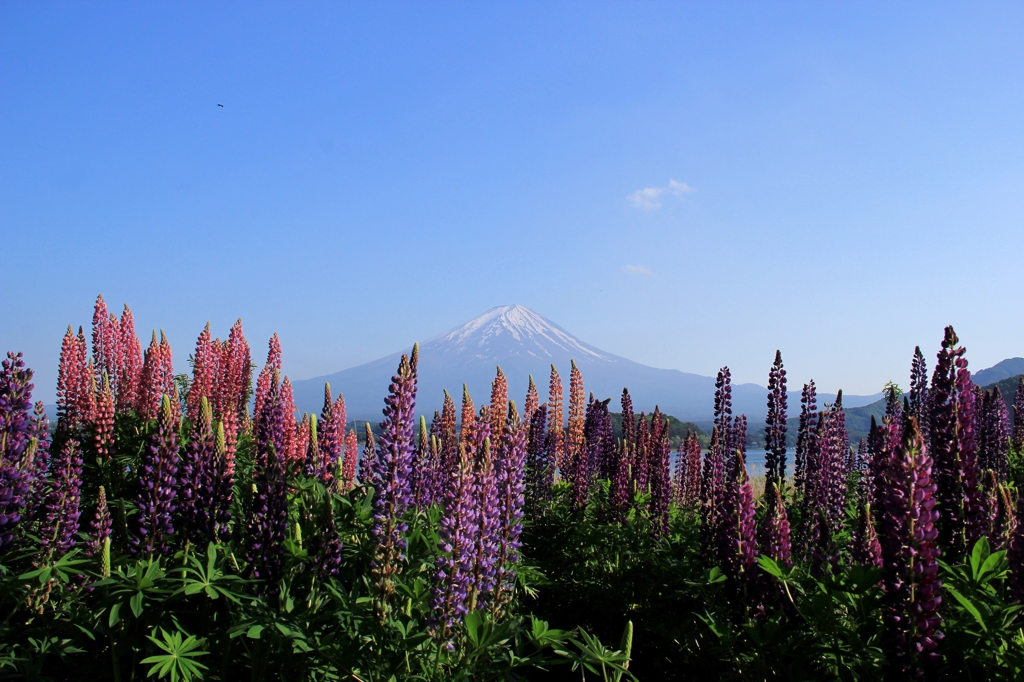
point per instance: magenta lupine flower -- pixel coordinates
(510, 487)
(736, 533)
(267, 525)
(775, 533)
(17, 451)
(485, 546)
(910, 554)
(59, 525)
(131, 365)
(100, 526)
(1015, 555)
(453, 578)
(158, 484)
(661, 484)
(865, 548)
(351, 461)
(775, 422)
(953, 445)
(198, 482)
(390, 474)
(806, 439)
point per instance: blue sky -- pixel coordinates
(687, 185)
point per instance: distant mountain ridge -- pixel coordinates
(1010, 367)
(524, 343)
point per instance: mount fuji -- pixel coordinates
(522, 343)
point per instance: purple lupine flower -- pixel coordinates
(910, 554)
(158, 484)
(712, 481)
(917, 399)
(621, 490)
(865, 548)
(738, 437)
(38, 469)
(267, 525)
(775, 533)
(661, 484)
(775, 422)
(640, 459)
(953, 446)
(1015, 554)
(628, 418)
(453, 578)
(994, 434)
(325, 546)
(823, 505)
(59, 525)
(1018, 417)
(197, 482)
(485, 543)
(736, 532)
(691, 489)
(806, 438)
(17, 474)
(540, 468)
(322, 463)
(223, 486)
(600, 438)
(679, 464)
(390, 474)
(862, 464)
(100, 526)
(833, 463)
(585, 455)
(1000, 506)
(509, 478)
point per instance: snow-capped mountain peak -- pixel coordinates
(511, 329)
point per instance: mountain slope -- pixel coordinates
(1010, 367)
(524, 343)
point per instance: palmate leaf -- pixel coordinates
(177, 661)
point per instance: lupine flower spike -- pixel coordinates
(157, 488)
(910, 555)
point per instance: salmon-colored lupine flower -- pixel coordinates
(103, 421)
(204, 373)
(467, 422)
(148, 395)
(532, 402)
(69, 374)
(499, 401)
(574, 442)
(556, 438)
(129, 381)
(351, 461)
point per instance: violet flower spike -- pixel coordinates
(157, 488)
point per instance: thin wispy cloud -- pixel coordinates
(650, 197)
(637, 269)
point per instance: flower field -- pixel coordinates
(191, 527)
